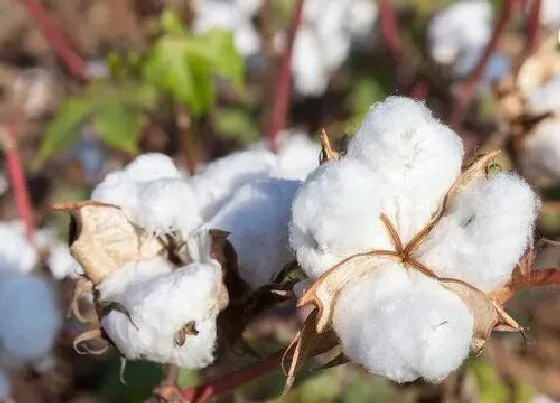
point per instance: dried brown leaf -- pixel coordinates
(106, 240)
(327, 152)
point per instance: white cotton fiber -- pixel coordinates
(310, 74)
(403, 326)
(119, 189)
(150, 167)
(336, 214)
(487, 230)
(162, 306)
(459, 28)
(16, 253)
(5, 385)
(29, 317)
(219, 179)
(257, 217)
(540, 156)
(545, 98)
(550, 13)
(62, 264)
(167, 205)
(416, 155)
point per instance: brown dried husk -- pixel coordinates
(487, 312)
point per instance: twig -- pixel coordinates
(533, 27)
(52, 34)
(467, 89)
(8, 140)
(389, 29)
(284, 82)
(230, 382)
(536, 278)
(420, 90)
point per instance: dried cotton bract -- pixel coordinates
(404, 249)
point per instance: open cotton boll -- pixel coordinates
(335, 214)
(362, 16)
(160, 308)
(462, 26)
(219, 179)
(488, 229)
(29, 317)
(540, 156)
(119, 189)
(545, 98)
(16, 253)
(62, 264)
(167, 205)
(403, 325)
(257, 217)
(550, 13)
(309, 71)
(415, 155)
(150, 167)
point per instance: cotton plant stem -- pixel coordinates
(389, 29)
(467, 89)
(535, 278)
(8, 139)
(284, 82)
(533, 27)
(52, 34)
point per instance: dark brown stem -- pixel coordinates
(52, 34)
(284, 82)
(533, 27)
(467, 88)
(390, 29)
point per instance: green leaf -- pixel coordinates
(204, 93)
(171, 22)
(228, 63)
(64, 129)
(119, 126)
(236, 124)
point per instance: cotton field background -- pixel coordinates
(280, 200)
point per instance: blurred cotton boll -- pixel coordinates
(550, 13)
(16, 253)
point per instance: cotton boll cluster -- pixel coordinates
(170, 313)
(408, 326)
(231, 15)
(397, 321)
(324, 39)
(256, 217)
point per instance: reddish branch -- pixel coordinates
(533, 27)
(284, 82)
(535, 278)
(467, 88)
(389, 29)
(15, 170)
(52, 34)
(420, 90)
(221, 386)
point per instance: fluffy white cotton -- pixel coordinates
(62, 264)
(310, 73)
(160, 307)
(540, 156)
(545, 98)
(219, 179)
(29, 317)
(550, 13)
(167, 205)
(5, 384)
(336, 214)
(257, 217)
(416, 156)
(403, 325)
(487, 230)
(460, 28)
(16, 253)
(150, 167)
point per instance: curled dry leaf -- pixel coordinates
(105, 240)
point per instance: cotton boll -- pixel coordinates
(150, 167)
(257, 217)
(161, 307)
(297, 156)
(215, 184)
(336, 214)
(62, 264)
(167, 205)
(403, 326)
(309, 72)
(119, 189)
(16, 253)
(29, 317)
(416, 156)
(540, 156)
(362, 16)
(550, 13)
(545, 98)
(5, 385)
(488, 228)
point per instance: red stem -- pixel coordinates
(533, 27)
(420, 90)
(284, 83)
(16, 172)
(390, 29)
(52, 34)
(217, 387)
(467, 89)
(537, 278)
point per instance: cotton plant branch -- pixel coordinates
(52, 34)
(389, 29)
(533, 27)
(467, 89)
(284, 81)
(8, 142)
